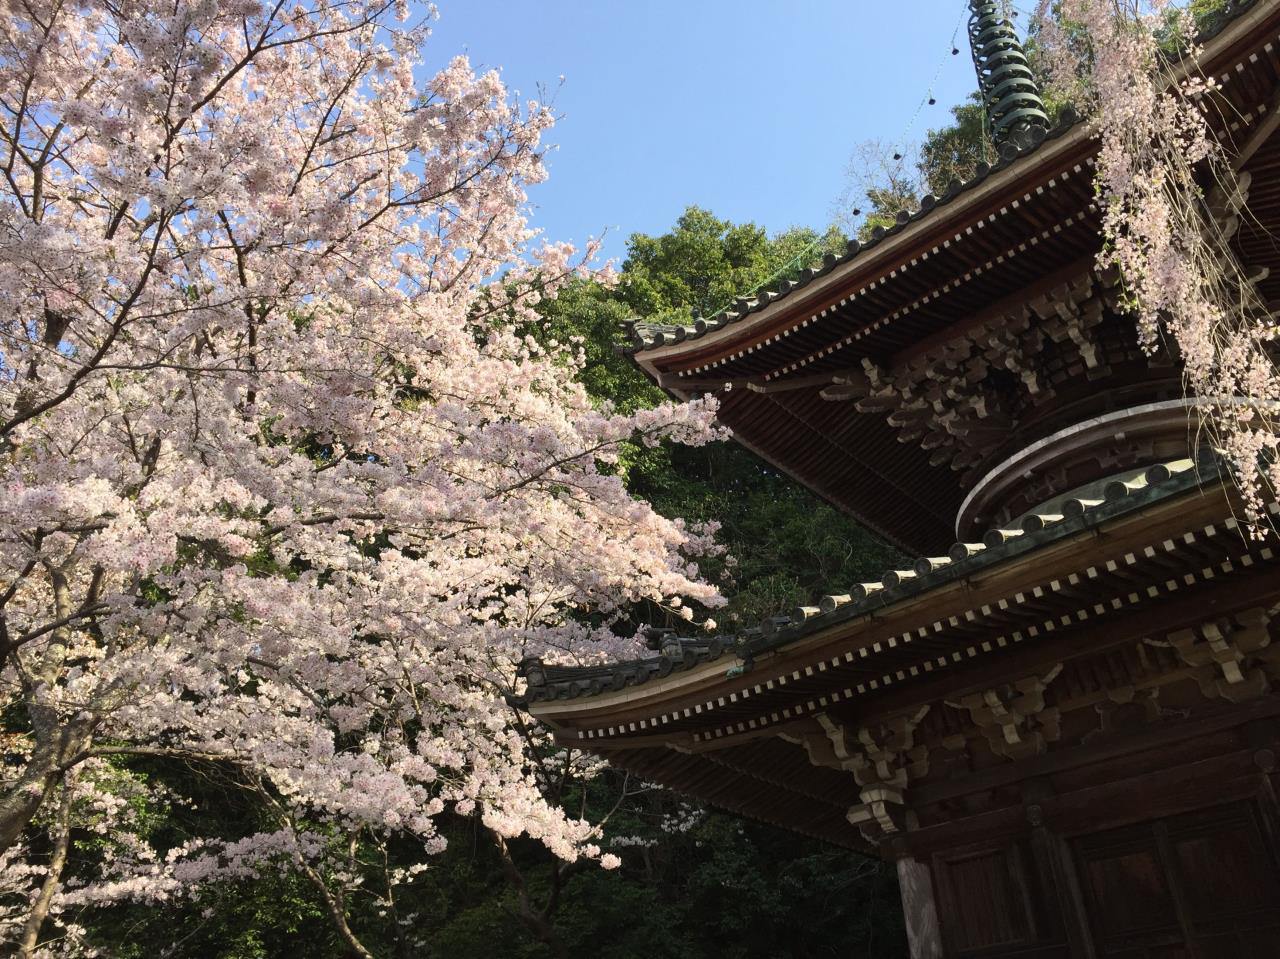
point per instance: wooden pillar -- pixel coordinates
(1058, 878)
(915, 880)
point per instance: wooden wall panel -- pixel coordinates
(989, 899)
(1204, 885)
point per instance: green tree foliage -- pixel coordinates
(694, 884)
(704, 263)
(881, 180)
(720, 888)
(952, 153)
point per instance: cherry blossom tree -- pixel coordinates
(1132, 65)
(282, 487)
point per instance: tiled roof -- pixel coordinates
(676, 655)
(646, 335)
(1083, 509)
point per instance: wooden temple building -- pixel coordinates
(1062, 721)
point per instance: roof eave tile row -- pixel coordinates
(645, 335)
(1036, 530)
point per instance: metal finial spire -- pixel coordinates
(1008, 86)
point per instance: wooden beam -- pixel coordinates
(1261, 134)
(1157, 737)
(1220, 597)
(924, 935)
(1006, 186)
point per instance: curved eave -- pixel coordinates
(740, 740)
(940, 581)
(1144, 574)
(1234, 38)
(895, 250)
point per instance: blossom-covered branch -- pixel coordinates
(1167, 234)
(283, 489)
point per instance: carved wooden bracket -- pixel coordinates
(883, 758)
(960, 399)
(1069, 312)
(1128, 708)
(880, 813)
(883, 753)
(1229, 655)
(1014, 717)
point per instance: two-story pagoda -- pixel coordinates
(1063, 720)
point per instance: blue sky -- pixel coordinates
(747, 107)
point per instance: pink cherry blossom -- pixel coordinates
(283, 486)
(1166, 237)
